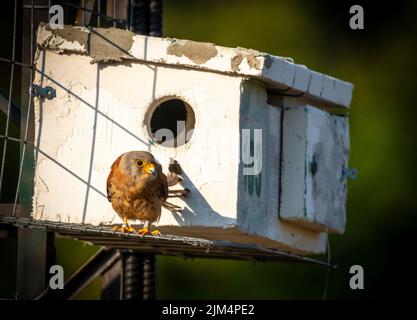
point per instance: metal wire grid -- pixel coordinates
(23, 142)
(5, 136)
(12, 61)
(136, 20)
(98, 14)
(102, 235)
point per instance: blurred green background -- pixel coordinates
(381, 215)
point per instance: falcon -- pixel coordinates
(137, 189)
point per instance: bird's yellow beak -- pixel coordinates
(150, 169)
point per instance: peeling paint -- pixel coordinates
(102, 44)
(111, 44)
(62, 40)
(251, 57)
(198, 52)
(70, 34)
(235, 62)
(116, 45)
(253, 62)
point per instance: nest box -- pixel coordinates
(263, 142)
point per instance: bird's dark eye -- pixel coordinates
(139, 163)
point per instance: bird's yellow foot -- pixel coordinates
(117, 228)
(143, 231)
(124, 229)
(156, 233)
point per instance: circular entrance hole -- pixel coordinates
(171, 123)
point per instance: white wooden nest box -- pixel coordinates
(116, 90)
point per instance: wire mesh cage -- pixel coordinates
(17, 127)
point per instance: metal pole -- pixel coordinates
(132, 276)
(99, 263)
(139, 16)
(138, 276)
(149, 271)
(111, 280)
(155, 18)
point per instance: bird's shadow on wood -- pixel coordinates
(197, 210)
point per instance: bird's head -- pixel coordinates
(140, 164)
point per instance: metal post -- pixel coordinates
(139, 16)
(155, 18)
(132, 276)
(138, 276)
(99, 263)
(149, 270)
(111, 281)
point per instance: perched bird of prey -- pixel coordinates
(137, 189)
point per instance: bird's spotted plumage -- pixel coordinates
(137, 188)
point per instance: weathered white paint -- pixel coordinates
(274, 71)
(258, 195)
(101, 111)
(67, 130)
(314, 160)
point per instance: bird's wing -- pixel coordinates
(162, 186)
(110, 191)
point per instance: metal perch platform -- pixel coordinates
(171, 245)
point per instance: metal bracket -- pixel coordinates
(47, 92)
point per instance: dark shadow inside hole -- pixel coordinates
(168, 114)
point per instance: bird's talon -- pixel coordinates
(129, 229)
(117, 228)
(124, 229)
(143, 232)
(156, 233)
